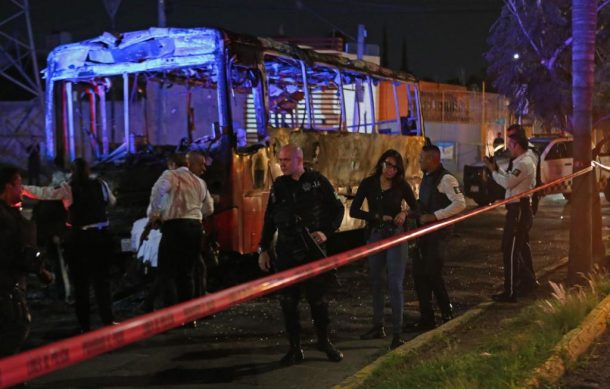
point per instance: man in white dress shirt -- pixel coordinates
(179, 201)
(515, 239)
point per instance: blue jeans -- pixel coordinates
(395, 261)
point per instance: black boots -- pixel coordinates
(294, 354)
(327, 347)
(331, 351)
(377, 332)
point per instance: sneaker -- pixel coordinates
(377, 332)
(504, 298)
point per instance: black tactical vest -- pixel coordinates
(89, 205)
(430, 199)
(300, 203)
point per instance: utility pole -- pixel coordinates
(159, 87)
(359, 96)
(584, 25)
(14, 51)
(161, 13)
(483, 121)
(112, 6)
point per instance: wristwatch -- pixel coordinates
(259, 250)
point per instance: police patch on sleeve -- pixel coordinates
(516, 172)
(457, 190)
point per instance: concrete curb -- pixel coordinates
(357, 380)
(572, 345)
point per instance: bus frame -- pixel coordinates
(283, 81)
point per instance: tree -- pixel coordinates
(584, 22)
(531, 62)
(530, 58)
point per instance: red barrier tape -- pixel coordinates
(43, 360)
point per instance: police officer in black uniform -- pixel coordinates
(305, 210)
(18, 256)
(89, 244)
(440, 197)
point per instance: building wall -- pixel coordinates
(468, 121)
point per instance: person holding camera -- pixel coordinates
(18, 257)
(305, 211)
(440, 197)
(517, 256)
(385, 190)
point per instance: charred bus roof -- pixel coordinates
(184, 53)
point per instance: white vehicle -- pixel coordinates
(556, 161)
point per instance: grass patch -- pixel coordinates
(505, 352)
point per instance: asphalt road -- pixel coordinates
(240, 348)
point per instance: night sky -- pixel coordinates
(445, 38)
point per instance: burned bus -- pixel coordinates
(237, 98)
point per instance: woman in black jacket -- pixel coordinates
(385, 189)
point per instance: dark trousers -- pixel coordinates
(200, 277)
(314, 289)
(90, 256)
(427, 274)
(179, 250)
(15, 321)
(517, 255)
